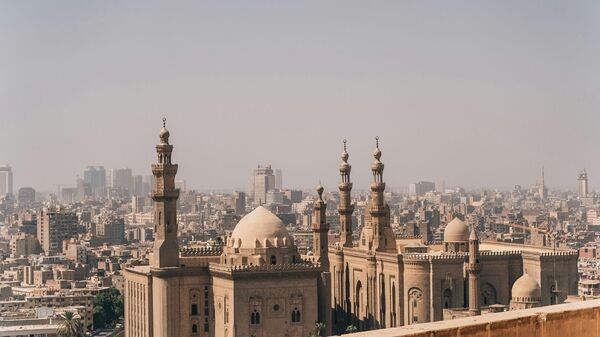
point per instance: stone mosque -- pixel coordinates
(257, 283)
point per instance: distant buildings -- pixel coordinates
(122, 180)
(26, 195)
(95, 177)
(6, 180)
(263, 180)
(55, 226)
(420, 188)
(239, 203)
(110, 229)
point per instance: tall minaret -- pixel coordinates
(542, 186)
(383, 237)
(320, 229)
(345, 207)
(166, 248)
(474, 269)
(582, 190)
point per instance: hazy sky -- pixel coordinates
(478, 93)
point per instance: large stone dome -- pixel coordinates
(526, 289)
(260, 228)
(456, 231)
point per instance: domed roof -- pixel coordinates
(260, 228)
(456, 231)
(526, 288)
(164, 135)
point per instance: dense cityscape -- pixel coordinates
(72, 251)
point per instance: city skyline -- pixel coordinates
(474, 94)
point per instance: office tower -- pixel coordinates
(26, 195)
(122, 179)
(95, 177)
(111, 229)
(84, 190)
(278, 179)
(54, 227)
(138, 186)
(582, 185)
(239, 202)
(6, 180)
(264, 181)
(440, 186)
(420, 188)
(274, 197)
(137, 204)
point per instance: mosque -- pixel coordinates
(257, 284)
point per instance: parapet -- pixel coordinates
(200, 251)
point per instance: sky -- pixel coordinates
(475, 93)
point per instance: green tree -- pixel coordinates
(319, 327)
(70, 326)
(351, 329)
(108, 309)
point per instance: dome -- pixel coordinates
(260, 228)
(526, 289)
(456, 231)
(164, 135)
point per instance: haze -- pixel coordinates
(479, 94)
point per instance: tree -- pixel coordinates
(70, 326)
(319, 327)
(351, 329)
(108, 308)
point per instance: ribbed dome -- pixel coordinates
(526, 289)
(456, 231)
(260, 228)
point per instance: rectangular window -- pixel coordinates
(194, 309)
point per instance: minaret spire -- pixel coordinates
(165, 195)
(345, 207)
(474, 269)
(383, 236)
(320, 229)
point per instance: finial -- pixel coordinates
(377, 141)
(344, 144)
(320, 190)
(164, 122)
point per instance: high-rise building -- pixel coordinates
(582, 185)
(26, 195)
(111, 229)
(542, 191)
(6, 180)
(278, 179)
(54, 227)
(420, 188)
(263, 182)
(138, 186)
(122, 179)
(239, 203)
(95, 177)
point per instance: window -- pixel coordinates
(206, 324)
(273, 259)
(194, 328)
(255, 317)
(296, 318)
(194, 309)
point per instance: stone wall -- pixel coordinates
(563, 320)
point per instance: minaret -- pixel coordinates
(474, 269)
(542, 186)
(345, 207)
(582, 190)
(166, 248)
(383, 237)
(320, 229)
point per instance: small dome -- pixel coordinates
(526, 289)
(260, 228)
(345, 156)
(164, 135)
(456, 231)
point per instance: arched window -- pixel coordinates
(415, 297)
(393, 306)
(255, 317)
(296, 318)
(447, 299)
(488, 294)
(273, 259)
(194, 328)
